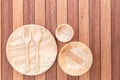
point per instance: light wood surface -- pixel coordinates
(16, 50)
(51, 13)
(105, 40)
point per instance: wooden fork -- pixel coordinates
(27, 38)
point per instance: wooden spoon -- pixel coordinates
(37, 38)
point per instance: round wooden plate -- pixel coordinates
(75, 58)
(16, 54)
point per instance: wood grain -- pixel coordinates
(28, 18)
(61, 12)
(73, 20)
(115, 40)
(95, 71)
(0, 43)
(6, 23)
(17, 22)
(84, 28)
(51, 17)
(95, 22)
(40, 12)
(73, 17)
(28, 11)
(105, 40)
(61, 19)
(40, 19)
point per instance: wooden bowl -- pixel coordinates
(75, 58)
(16, 55)
(64, 33)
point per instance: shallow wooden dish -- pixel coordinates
(15, 49)
(75, 58)
(64, 33)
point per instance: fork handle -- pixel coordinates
(37, 57)
(27, 58)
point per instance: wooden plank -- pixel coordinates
(40, 12)
(40, 19)
(0, 43)
(6, 23)
(95, 39)
(61, 12)
(73, 20)
(115, 40)
(28, 18)
(61, 19)
(105, 40)
(51, 25)
(40, 77)
(73, 17)
(18, 13)
(28, 11)
(17, 22)
(84, 21)
(51, 15)
(84, 28)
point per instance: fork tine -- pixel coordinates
(23, 32)
(27, 32)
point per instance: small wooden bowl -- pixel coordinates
(64, 33)
(16, 55)
(75, 58)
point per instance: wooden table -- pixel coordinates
(95, 22)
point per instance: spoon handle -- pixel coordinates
(27, 58)
(37, 57)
